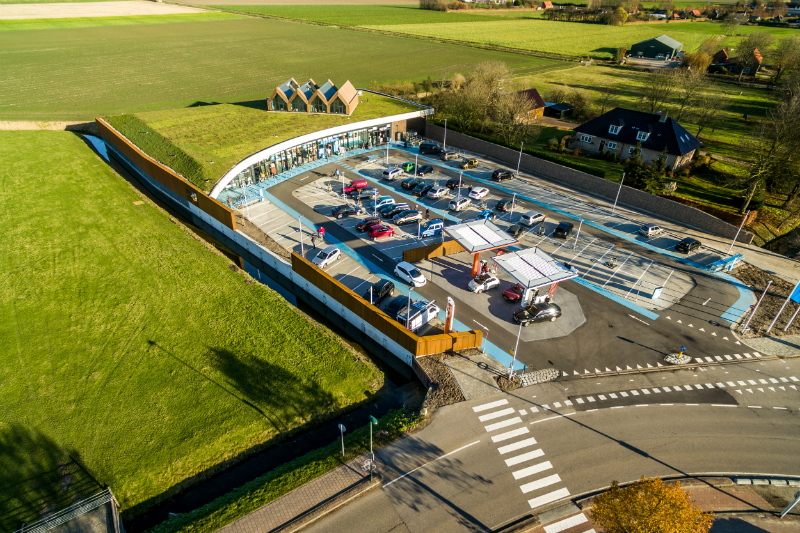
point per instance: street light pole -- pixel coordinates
(444, 143)
(744, 328)
(618, 191)
(408, 309)
(513, 202)
(577, 236)
(416, 163)
(372, 421)
(737, 231)
(300, 221)
(519, 161)
(460, 175)
(516, 346)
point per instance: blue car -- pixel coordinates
(432, 228)
(487, 214)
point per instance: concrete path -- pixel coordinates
(786, 346)
(475, 374)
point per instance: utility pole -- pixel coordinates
(744, 328)
(618, 191)
(302, 250)
(444, 143)
(519, 161)
(372, 421)
(516, 346)
(737, 231)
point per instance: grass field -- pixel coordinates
(237, 132)
(89, 22)
(80, 74)
(133, 356)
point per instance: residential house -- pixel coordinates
(733, 64)
(657, 48)
(620, 130)
(536, 103)
(695, 13)
(547, 5)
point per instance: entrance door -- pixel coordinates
(602, 145)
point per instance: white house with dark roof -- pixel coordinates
(620, 130)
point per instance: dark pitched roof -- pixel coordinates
(664, 39)
(668, 134)
(533, 95)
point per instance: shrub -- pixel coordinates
(552, 144)
(576, 151)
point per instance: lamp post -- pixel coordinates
(460, 175)
(408, 309)
(783, 307)
(744, 328)
(444, 142)
(618, 191)
(372, 421)
(513, 203)
(739, 230)
(416, 163)
(300, 221)
(519, 161)
(516, 346)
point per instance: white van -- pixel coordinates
(531, 218)
(392, 173)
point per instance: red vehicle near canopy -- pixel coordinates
(513, 294)
(378, 231)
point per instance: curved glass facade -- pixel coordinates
(277, 104)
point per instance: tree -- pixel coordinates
(465, 107)
(607, 99)
(691, 85)
(750, 48)
(512, 121)
(557, 95)
(580, 102)
(785, 56)
(709, 47)
(637, 174)
(708, 109)
(658, 87)
(619, 17)
(649, 506)
(699, 61)
(730, 23)
(488, 78)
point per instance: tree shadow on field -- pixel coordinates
(202, 104)
(37, 477)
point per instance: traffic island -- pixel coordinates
(677, 359)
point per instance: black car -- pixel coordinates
(410, 183)
(424, 169)
(537, 313)
(515, 230)
(453, 183)
(505, 205)
(563, 230)
(388, 211)
(346, 210)
(366, 192)
(688, 245)
(396, 306)
(379, 291)
(422, 189)
(500, 175)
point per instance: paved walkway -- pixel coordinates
(786, 346)
(285, 509)
(475, 374)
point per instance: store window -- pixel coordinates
(338, 107)
(277, 104)
(318, 106)
(299, 105)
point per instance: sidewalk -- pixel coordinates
(297, 508)
(786, 346)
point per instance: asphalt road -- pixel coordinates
(613, 336)
(462, 473)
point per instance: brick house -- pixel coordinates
(536, 103)
(619, 131)
(733, 64)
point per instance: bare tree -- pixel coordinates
(730, 23)
(464, 107)
(751, 50)
(607, 99)
(658, 87)
(512, 120)
(557, 95)
(785, 56)
(708, 109)
(580, 102)
(690, 87)
(489, 76)
(698, 61)
(709, 46)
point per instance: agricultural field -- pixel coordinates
(90, 22)
(65, 74)
(135, 355)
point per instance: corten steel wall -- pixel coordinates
(432, 250)
(379, 320)
(166, 176)
(678, 213)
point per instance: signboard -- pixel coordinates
(553, 288)
(795, 296)
(657, 293)
(450, 311)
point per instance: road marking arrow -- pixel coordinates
(713, 333)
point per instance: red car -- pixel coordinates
(514, 293)
(380, 231)
(365, 224)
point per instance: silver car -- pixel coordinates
(326, 256)
(458, 204)
(438, 192)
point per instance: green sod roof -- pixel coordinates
(202, 143)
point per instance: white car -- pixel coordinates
(484, 282)
(478, 192)
(326, 256)
(438, 192)
(377, 203)
(410, 274)
(459, 204)
(392, 173)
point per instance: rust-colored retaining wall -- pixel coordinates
(376, 318)
(166, 176)
(432, 250)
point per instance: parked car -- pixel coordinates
(484, 282)
(515, 231)
(650, 230)
(506, 205)
(437, 193)
(407, 167)
(422, 189)
(380, 202)
(410, 183)
(458, 204)
(346, 210)
(501, 175)
(429, 148)
(355, 185)
(563, 229)
(478, 192)
(688, 245)
(391, 211)
(379, 230)
(407, 217)
(469, 163)
(531, 218)
(452, 183)
(410, 274)
(431, 228)
(419, 314)
(364, 224)
(514, 293)
(537, 313)
(392, 173)
(326, 256)
(395, 306)
(487, 214)
(367, 192)
(447, 155)
(379, 290)
(424, 170)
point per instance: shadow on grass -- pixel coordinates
(37, 477)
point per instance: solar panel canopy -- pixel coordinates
(479, 236)
(533, 268)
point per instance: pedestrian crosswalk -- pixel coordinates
(521, 454)
(575, 523)
(636, 366)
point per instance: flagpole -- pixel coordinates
(783, 306)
